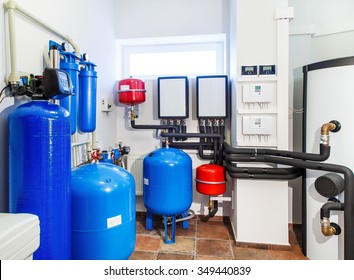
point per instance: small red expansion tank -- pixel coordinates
(210, 179)
(131, 91)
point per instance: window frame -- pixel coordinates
(214, 42)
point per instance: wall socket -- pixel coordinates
(106, 105)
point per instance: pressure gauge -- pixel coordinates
(249, 70)
(85, 57)
(65, 46)
(266, 69)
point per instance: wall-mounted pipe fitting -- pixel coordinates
(329, 229)
(333, 126)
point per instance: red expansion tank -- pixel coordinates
(131, 91)
(210, 179)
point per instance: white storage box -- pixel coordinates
(19, 236)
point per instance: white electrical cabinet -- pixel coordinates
(260, 117)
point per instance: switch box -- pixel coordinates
(258, 93)
(258, 125)
(106, 106)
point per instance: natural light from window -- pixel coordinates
(173, 56)
(173, 63)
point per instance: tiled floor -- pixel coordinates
(212, 240)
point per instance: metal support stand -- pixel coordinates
(183, 224)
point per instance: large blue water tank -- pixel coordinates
(39, 173)
(167, 182)
(103, 212)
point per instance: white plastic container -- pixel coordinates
(19, 236)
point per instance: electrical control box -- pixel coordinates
(212, 96)
(172, 94)
(106, 106)
(258, 125)
(258, 93)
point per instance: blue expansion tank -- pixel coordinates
(103, 212)
(39, 173)
(167, 182)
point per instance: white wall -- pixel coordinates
(91, 24)
(158, 18)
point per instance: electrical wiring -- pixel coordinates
(2, 91)
(6, 95)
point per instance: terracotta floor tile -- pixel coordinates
(182, 245)
(211, 240)
(148, 243)
(186, 232)
(204, 258)
(212, 247)
(241, 253)
(141, 255)
(212, 231)
(173, 256)
(294, 254)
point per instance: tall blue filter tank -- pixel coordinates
(167, 182)
(70, 64)
(39, 173)
(87, 97)
(103, 212)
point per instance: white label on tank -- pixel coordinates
(114, 221)
(146, 181)
(125, 87)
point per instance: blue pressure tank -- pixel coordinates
(39, 173)
(87, 97)
(167, 186)
(103, 212)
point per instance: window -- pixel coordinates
(173, 56)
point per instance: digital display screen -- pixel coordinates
(267, 68)
(63, 79)
(249, 68)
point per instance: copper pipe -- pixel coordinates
(327, 127)
(326, 228)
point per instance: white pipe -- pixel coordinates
(93, 140)
(80, 143)
(11, 7)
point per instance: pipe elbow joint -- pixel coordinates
(328, 228)
(10, 5)
(327, 127)
(333, 126)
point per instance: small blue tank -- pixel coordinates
(103, 212)
(167, 182)
(87, 97)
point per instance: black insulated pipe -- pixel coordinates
(329, 185)
(348, 195)
(152, 126)
(199, 135)
(322, 156)
(330, 206)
